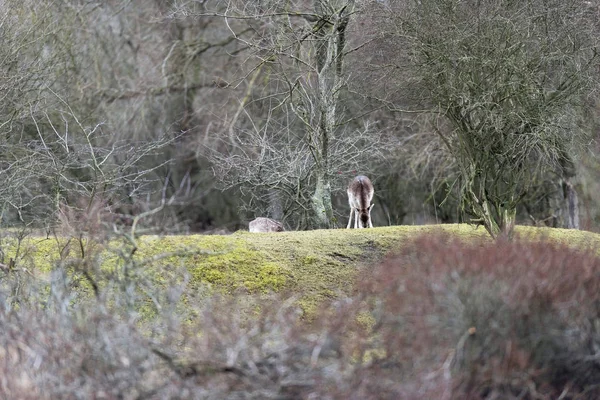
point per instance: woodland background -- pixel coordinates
(209, 113)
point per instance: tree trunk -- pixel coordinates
(329, 61)
(570, 205)
(503, 226)
(507, 222)
(498, 220)
(321, 203)
(275, 206)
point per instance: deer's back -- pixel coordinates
(360, 190)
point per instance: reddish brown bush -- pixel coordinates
(490, 320)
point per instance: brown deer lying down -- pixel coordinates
(360, 194)
(262, 224)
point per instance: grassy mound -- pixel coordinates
(314, 265)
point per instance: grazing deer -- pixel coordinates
(360, 194)
(262, 224)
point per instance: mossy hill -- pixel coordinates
(314, 265)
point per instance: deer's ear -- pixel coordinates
(371, 207)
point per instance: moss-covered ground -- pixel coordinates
(314, 265)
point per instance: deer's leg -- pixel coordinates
(356, 223)
(350, 219)
(370, 220)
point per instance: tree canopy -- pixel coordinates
(510, 79)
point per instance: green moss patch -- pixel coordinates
(313, 265)
(570, 237)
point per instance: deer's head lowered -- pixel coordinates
(360, 194)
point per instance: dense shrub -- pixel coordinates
(439, 320)
(490, 320)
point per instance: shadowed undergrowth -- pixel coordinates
(447, 314)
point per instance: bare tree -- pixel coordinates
(291, 134)
(143, 69)
(508, 79)
(53, 153)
